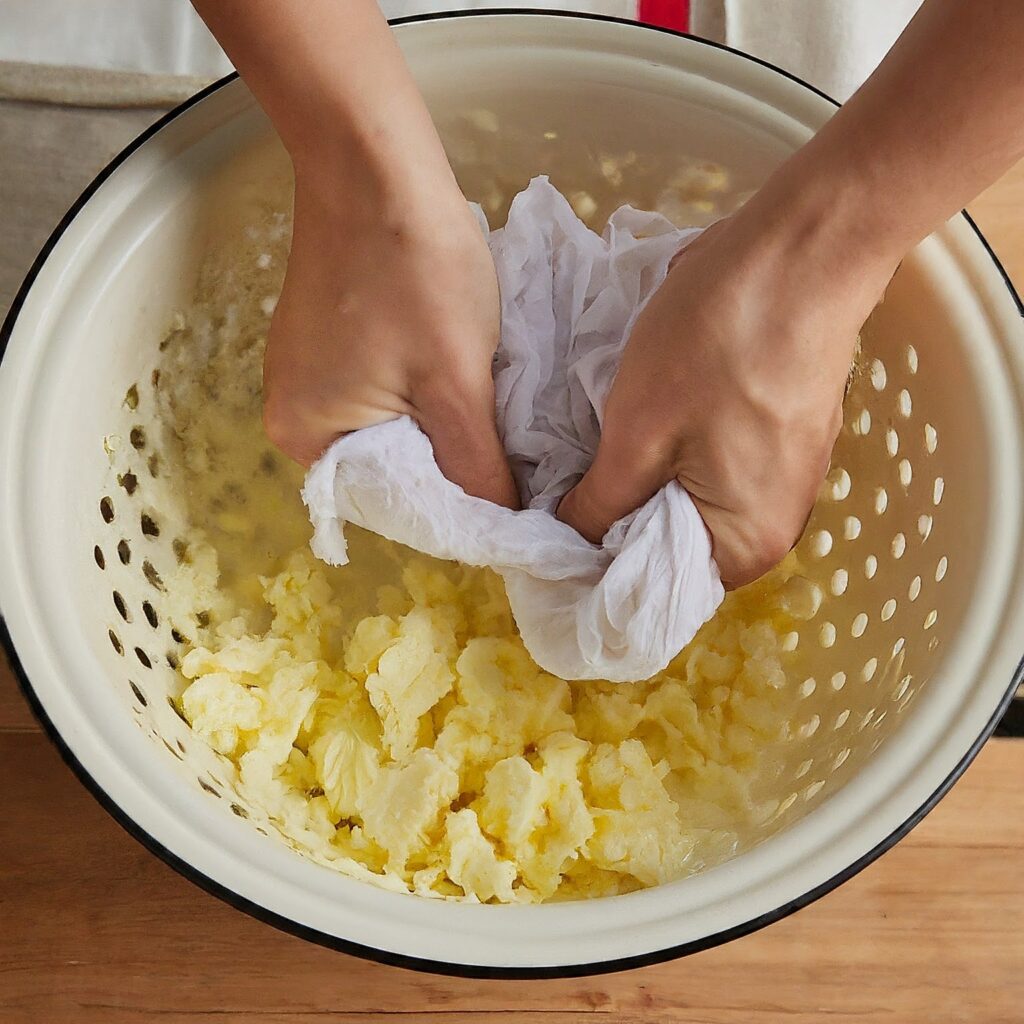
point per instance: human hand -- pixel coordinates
(387, 309)
(732, 383)
(390, 302)
(733, 379)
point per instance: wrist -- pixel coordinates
(821, 222)
(381, 165)
(359, 197)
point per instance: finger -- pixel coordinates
(304, 436)
(469, 452)
(476, 462)
(620, 480)
(285, 429)
(745, 546)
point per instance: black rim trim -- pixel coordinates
(349, 946)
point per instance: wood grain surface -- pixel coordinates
(95, 930)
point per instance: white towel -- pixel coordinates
(617, 611)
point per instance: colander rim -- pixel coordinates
(350, 946)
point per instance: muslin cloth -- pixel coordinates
(619, 611)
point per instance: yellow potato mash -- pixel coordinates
(422, 746)
(386, 716)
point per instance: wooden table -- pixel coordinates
(95, 930)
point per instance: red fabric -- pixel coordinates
(665, 13)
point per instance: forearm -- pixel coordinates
(334, 83)
(939, 121)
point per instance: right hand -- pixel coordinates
(389, 308)
(732, 383)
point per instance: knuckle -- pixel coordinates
(455, 388)
(277, 422)
(766, 559)
(762, 546)
(280, 424)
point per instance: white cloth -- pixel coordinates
(620, 611)
(833, 44)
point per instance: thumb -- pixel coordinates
(618, 482)
(468, 452)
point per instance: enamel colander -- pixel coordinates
(911, 589)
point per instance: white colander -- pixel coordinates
(913, 589)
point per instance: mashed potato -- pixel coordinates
(422, 748)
